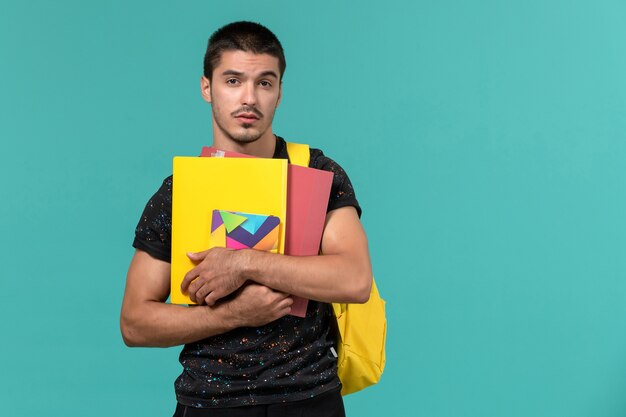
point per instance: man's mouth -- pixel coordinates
(247, 114)
(247, 117)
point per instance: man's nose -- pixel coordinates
(249, 94)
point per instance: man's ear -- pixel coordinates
(205, 89)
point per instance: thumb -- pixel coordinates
(197, 256)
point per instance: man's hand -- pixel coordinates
(342, 274)
(216, 275)
(255, 305)
(146, 319)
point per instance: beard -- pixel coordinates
(243, 134)
(249, 135)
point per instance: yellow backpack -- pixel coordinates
(362, 328)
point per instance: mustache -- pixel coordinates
(247, 109)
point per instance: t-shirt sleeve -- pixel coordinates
(153, 232)
(341, 193)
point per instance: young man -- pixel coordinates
(243, 354)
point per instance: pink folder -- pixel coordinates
(308, 190)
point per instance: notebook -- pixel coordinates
(308, 190)
(202, 185)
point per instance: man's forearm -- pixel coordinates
(146, 320)
(157, 324)
(327, 278)
(342, 274)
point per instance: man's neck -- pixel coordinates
(263, 147)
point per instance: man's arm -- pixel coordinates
(146, 320)
(342, 273)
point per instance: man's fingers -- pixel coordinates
(214, 295)
(197, 256)
(192, 291)
(285, 303)
(284, 296)
(285, 307)
(190, 283)
(188, 279)
(199, 290)
(201, 293)
(209, 300)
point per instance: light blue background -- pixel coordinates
(485, 140)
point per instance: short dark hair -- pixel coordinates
(242, 36)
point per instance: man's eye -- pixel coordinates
(265, 83)
(232, 81)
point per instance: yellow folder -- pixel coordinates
(201, 185)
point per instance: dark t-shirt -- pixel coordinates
(288, 359)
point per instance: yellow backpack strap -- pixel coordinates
(299, 153)
(362, 328)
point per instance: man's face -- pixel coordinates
(244, 94)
